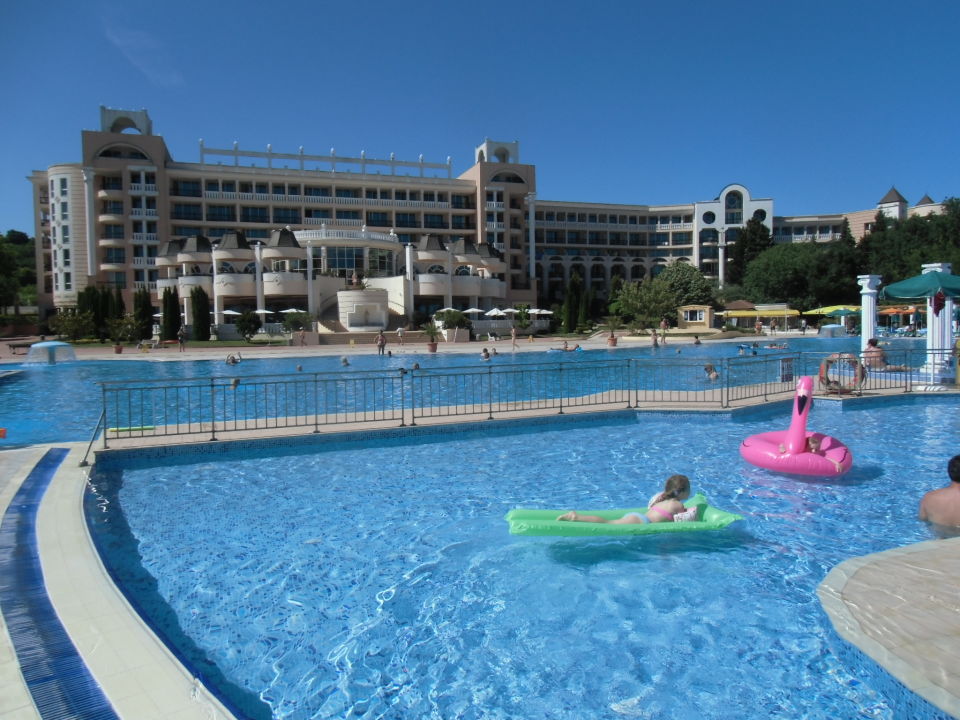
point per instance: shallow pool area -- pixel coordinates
(372, 575)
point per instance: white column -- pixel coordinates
(217, 310)
(408, 282)
(311, 300)
(448, 296)
(258, 257)
(722, 257)
(89, 200)
(939, 327)
(868, 307)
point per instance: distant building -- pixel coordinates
(265, 229)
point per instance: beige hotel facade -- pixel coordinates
(268, 230)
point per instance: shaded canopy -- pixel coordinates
(924, 286)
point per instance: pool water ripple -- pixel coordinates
(377, 579)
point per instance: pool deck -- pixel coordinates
(899, 607)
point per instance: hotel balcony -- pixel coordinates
(431, 284)
(107, 266)
(284, 283)
(491, 287)
(112, 194)
(143, 212)
(110, 217)
(236, 285)
(145, 285)
(144, 262)
(142, 189)
(111, 242)
(165, 283)
(466, 284)
(186, 284)
(145, 237)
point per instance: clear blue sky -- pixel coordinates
(821, 105)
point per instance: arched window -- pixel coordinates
(462, 270)
(436, 270)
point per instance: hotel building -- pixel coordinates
(268, 230)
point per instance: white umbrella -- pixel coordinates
(496, 312)
(158, 315)
(231, 312)
(262, 312)
(545, 312)
(510, 311)
(289, 310)
(448, 309)
(472, 311)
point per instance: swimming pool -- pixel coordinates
(372, 575)
(62, 402)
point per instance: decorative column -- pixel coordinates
(89, 199)
(311, 301)
(868, 307)
(217, 311)
(408, 282)
(722, 257)
(448, 296)
(939, 326)
(258, 258)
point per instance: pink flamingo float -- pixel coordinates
(796, 451)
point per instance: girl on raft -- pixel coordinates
(665, 506)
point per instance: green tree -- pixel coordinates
(248, 323)
(200, 307)
(143, 314)
(642, 304)
(292, 322)
(72, 324)
(18, 274)
(751, 241)
(782, 274)
(571, 302)
(170, 302)
(522, 318)
(688, 285)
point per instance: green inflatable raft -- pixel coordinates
(544, 522)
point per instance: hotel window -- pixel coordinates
(261, 189)
(64, 211)
(429, 196)
(115, 256)
(213, 186)
(186, 188)
(228, 186)
(279, 189)
(314, 191)
(66, 257)
(117, 279)
(347, 193)
(458, 202)
(111, 183)
(348, 215)
(434, 221)
(400, 195)
(65, 233)
(407, 220)
(63, 186)
(378, 219)
(254, 214)
(67, 281)
(319, 214)
(293, 190)
(187, 231)
(371, 193)
(286, 215)
(693, 315)
(183, 211)
(380, 262)
(221, 213)
(113, 232)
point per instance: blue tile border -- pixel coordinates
(55, 674)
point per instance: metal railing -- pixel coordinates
(217, 407)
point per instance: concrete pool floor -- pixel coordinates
(900, 607)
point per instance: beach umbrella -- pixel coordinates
(546, 312)
(472, 311)
(290, 310)
(231, 312)
(496, 312)
(263, 312)
(841, 312)
(510, 311)
(924, 286)
(446, 309)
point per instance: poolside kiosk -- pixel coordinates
(695, 317)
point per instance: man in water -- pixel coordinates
(942, 507)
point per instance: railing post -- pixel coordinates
(490, 392)
(213, 410)
(316, 403)
(403, 395)
(725, 384)
(560, 383)
(413, 399)
(104, 415)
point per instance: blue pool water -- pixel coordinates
(373, 575)
(62, 402)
